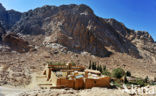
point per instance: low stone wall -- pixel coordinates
(83, 83)
(102, 82)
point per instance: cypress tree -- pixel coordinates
(104, 67)
(100, 68)
(95, 66)
(125, 80)
(90, 65)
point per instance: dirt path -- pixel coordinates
(4, 91)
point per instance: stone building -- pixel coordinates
(69, 76)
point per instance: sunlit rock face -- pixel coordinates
(77, 28)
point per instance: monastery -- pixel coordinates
(71, 76)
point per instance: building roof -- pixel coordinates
(93, 71)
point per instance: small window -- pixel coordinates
(95, 82)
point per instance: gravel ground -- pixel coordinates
(86, 92)
(4, 91)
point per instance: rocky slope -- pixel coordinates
(16, 43)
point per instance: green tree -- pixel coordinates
(146, 79)
(94, 66)
(125, 80)
(118, 73)
(128, 73)
(104, 67)
(100, 68)
(90, 66)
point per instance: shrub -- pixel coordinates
(152, 83)
(73, 63)
(146, 79)
(140, 82)
(117, 84)
(106, 72)
(118, 73)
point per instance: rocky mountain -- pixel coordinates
(69, 33)
(8, 17)
(77, 27)
(128, 33)
(141, 39)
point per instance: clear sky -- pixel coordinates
(135, 14)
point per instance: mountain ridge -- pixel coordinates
(99, 32)
(8, 17)
(71, 33)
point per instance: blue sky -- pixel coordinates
(135, 14)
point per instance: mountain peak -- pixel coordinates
(8, 17)
(82, 8)
(1, 7)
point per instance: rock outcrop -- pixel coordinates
(16, 43)
(128, 33)
(2, 32)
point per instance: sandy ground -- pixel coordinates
(6, 91)
(71, 92)
(96, 91)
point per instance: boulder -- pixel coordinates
(16, 43)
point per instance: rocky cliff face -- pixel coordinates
(76, 27)
(8, 18)
(79, 29)
(141, 39)
(128, 33)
